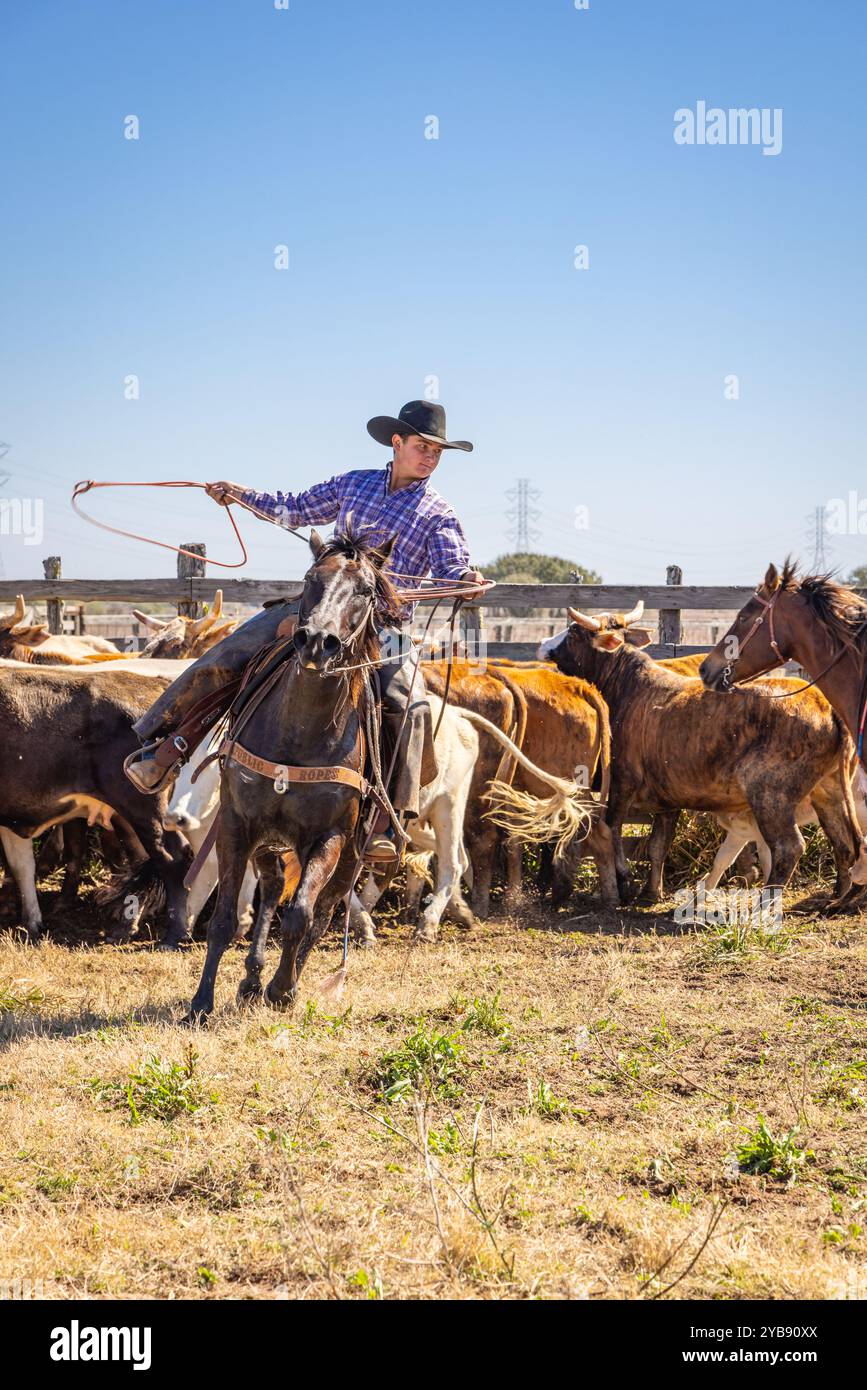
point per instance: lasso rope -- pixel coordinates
(424, 589)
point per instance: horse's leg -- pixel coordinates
(725, 855)
(298, 919)
(270, 888)
(232, 855)
(246, 916)
(361, 923)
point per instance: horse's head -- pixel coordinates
(343, 590)
(806, 619)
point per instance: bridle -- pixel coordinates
(768, 605)
(346, 643)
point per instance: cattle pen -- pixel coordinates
(562, 1102)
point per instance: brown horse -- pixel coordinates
(812, 620)
(312, 717)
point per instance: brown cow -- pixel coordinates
(568, 733)
(63, 739)
(566, 727)
(23, 640)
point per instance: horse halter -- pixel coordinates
(768, 605)
(346, 643)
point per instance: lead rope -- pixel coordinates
(335, 983)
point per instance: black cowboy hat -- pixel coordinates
(417, 417)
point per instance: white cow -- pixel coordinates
(439, 828)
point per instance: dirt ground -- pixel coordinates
(562, 1105)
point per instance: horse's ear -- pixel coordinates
(317, 544)
(771, 581)
(382, 554)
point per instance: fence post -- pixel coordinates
(54, 606)
(191, 567)
(669, 618)
(471, 633)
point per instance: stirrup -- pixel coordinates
(381, 852)
(143, 760)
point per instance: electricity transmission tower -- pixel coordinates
(818, 536)
(522, 514)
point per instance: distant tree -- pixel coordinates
(858, 577)
(523, 567)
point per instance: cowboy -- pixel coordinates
(380, 504)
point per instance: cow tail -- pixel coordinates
(144, 885)
(562, 817)
(602, 749)
(508, 766)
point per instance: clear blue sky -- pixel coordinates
(412, 257)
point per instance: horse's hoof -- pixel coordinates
(175, 943)
(424, 936)
(194, 1019)
(248, 994)
(280, 1005)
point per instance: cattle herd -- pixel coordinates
(562, 752)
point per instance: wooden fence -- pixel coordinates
(190, 589)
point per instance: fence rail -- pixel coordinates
(192, 587)
(522, 597)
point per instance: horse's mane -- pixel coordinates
(836, 606)
(387, 608)
(388, 603)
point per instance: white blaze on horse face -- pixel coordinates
(546, 647)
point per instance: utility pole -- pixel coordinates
(522, 514)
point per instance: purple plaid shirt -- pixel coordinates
(430, 541)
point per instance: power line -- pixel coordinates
(522, 514)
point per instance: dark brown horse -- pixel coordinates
(313, 717)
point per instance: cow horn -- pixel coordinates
(19, 612)
(629, 618)
(217, 605)
(584, 620)
(154, 623)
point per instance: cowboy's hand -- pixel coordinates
(223, 492)
(473, 577)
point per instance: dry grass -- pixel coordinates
(581, 1145)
